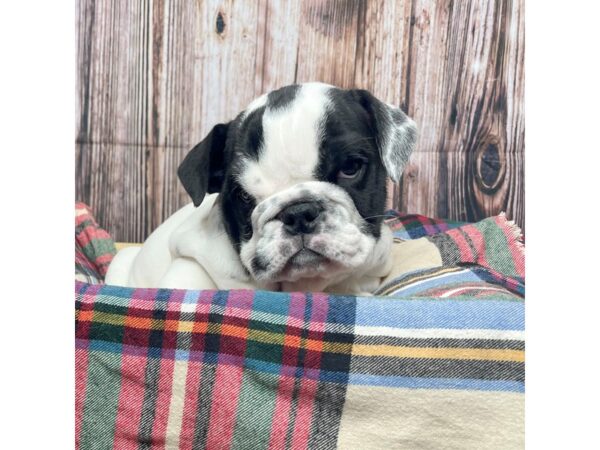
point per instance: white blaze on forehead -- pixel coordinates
(291, 140)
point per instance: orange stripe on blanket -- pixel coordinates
(439, 352)
(138, 322)
(85, 315)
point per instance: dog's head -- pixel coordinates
(302, 179)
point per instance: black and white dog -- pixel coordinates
(299, 184)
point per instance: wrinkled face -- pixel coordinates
(302, 178)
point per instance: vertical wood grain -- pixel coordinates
(464, 92)
(154, 76)
(328, 43)
(106, 180)
(278, 43)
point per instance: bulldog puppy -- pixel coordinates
(298, 184)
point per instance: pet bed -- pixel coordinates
(434, 360)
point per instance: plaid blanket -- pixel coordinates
(439, 365)
(94, 248)
(484, 258)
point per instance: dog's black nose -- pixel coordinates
(301, 218)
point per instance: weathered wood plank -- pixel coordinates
(327, 44)
(277, 44)
(112, 180)
(465, 89)
(153, 73)
(465, 103)
(382, 50)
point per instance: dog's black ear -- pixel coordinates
(395, 132)
(203, 169)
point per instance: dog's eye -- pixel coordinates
(245, 196)
(351, 168)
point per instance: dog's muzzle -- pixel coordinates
(309, 230)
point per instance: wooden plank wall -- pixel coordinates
(154, 76)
